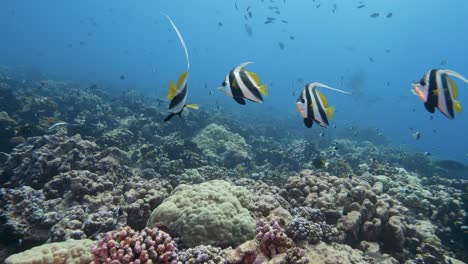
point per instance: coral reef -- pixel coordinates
(223, 146)
(208, 180)
(127, 246)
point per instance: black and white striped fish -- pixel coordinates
(437, 90)
(178, 93)
(313, 105)
(241, 84)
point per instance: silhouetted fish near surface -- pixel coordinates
(284, 21)
(292, 37)
(122, 77)
(371, 59)
(374, 15)
(249, 30)
(281, 45)
(361, 6)
(389, 15)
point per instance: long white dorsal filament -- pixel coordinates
(181, 40)
(455, 74)
(331, 88)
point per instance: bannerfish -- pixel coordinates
(178, 93)
(437, 90)
(313, 105)
(54, 126)
(241, 84)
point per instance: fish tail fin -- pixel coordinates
(331, 88)
(180, 38)
(264, 89)
(331, 112)
(171, 115)
(172, 90)
(457, 106)
(192, 106)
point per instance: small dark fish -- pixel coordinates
(220, 24)
(318, 6)
(389, 15)
(235, 5)
(361, 6)
(246, 17)
(122, 77)
(431, 118)
(427, 154)
(371, 59)
(388, 51)
(281, 45)
(417, 135)
(248, 9)
(335, 7)
(284, 21)
(277, 12)
(388, 83)
(374, 15)
(322, 134)
(250, 14)
(292, 37)
(268, 22)
(249, 30)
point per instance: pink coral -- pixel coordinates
(128, 246)
(273, 240)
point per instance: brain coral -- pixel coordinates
(219, 144)
(211, 213)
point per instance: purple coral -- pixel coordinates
(273, 240)
(129, 246)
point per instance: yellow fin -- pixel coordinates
(330, 112)
(264, 89)
(311, 105)
(234, 83)
(457, 106)
(454, 88)
(192, 106)
(324, 99)
(172, 90)
(254, 77)
(181, 79)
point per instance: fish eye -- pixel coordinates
(224, 84)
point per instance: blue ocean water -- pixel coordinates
(332, 42)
